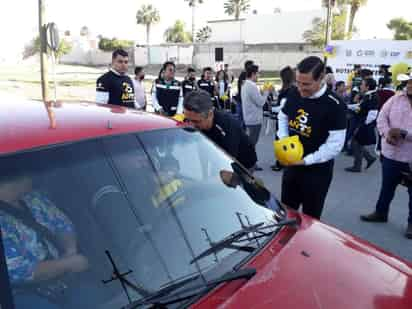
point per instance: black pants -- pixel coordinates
(307, 186)
(360, 152)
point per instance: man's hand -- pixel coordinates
(77, 263)
(298, 163)
(394, 136)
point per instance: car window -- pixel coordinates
(100, 223)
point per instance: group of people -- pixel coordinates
(329, 117)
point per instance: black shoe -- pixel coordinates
(370, 163)
(276, 167)
(375, 217)
(353, 169)
(258, 168)
(408, 233)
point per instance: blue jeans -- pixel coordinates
(391, 178)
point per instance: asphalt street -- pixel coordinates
(350, 196)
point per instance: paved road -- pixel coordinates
(351, 195)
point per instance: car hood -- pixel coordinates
(321, 267)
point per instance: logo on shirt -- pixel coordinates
(300, 123)
(127, 92)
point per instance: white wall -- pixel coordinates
(227, 31)
(180, 54)
(285, 27)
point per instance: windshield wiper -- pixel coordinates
(227, 242)
(160, 300)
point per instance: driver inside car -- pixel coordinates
(39, 242)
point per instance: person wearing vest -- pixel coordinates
(207, 84)
(167, 96)
(189, 84)
(317, 116)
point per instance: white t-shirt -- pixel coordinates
(139, 93)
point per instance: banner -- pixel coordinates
(370, 54)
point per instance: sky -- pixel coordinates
(19, 18)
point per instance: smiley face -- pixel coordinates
(288, 150)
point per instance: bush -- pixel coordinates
(34, 48)
(110, 45)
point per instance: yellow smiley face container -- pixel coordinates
(288, 150)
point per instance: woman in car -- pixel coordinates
(39, 242)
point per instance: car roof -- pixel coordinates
(28, 124)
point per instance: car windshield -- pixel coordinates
(104, 222)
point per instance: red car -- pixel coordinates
(104, 207)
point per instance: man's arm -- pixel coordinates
(155, 102)
(255, 96)
(329, 150)
(180, 103)
(283, 125)
(383, 118)
(102, 91)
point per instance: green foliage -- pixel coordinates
(110, 45)
(316, 36)
(177, 33)
(401, 27)
(33, 48)
(203, 34)
(236, 7)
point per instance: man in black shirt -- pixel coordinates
(317, 116)
(115, 87)
(189, 84)
(221, 127)
(167, 95)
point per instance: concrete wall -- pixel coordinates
(227, 30)
(180, 54)
(270, 57)
(285, 27)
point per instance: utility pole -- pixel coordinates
(328, 34)
(43, 52)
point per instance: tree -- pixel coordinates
(147, 16)
(204, 34)
(401, 27)
(177, 33)
(354, 8)
(84, 31)
(110, 45)
(316, 36)
(193, 4)
(33, 48)
(236, 7)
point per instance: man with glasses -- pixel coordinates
(167, 96)
(115, 87)
(221, 127)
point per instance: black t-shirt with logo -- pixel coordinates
(312, 119)
(119, 87)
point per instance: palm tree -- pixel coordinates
(147, 15)
(193, 4)
(235, 7)
(354, 7)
